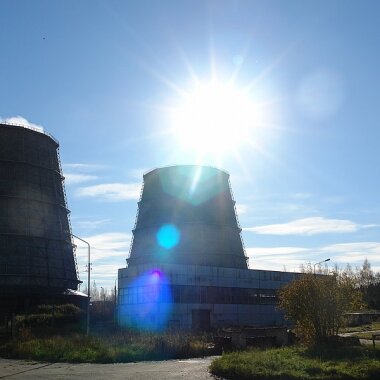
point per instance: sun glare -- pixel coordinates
(213, 118)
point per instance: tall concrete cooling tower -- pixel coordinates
(187, 216)
(36, 251)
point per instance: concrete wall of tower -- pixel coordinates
(36, 250)
(197, 201)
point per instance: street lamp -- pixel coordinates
(88, 282)
(319, 263)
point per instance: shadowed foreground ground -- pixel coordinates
(171, 369)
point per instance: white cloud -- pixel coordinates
(241, 208)
(19, 120)
(108, 254)
(274, 251)
(275, 258)
(354, 252)
(107, 245)
(104, 275)
(111, 191)
(354, 247)
(309, 226)
(73, 178)
(105, 271)
(138, 173)
(89, 224)
(110, 240)
(290, 264)
(83, 167)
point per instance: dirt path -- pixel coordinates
(360, 332)
(196, 369)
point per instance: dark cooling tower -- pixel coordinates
(187, 216)
(36, 251)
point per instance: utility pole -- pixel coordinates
(104, 305)
(115, 307)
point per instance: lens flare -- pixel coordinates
(168, 236)
(191, 183)
(148, 302)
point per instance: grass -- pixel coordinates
(364, 335)
(122, 347)
(291, 363)
(362, 332)
(44, 335)
(361, 328)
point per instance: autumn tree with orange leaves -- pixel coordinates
(317, 303)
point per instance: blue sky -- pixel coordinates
(102, 77)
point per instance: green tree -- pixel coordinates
(317, 303)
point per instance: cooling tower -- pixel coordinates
(186, 215)
(36, 251)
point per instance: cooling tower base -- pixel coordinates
(199, 297)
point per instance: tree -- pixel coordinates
(317, 303)
(369, 285)
(366, 276)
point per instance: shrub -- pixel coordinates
(317, 304)
(48, 315)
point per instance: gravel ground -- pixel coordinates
(196, 369)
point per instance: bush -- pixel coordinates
(317, 304)
(48, 315)
(66, 309)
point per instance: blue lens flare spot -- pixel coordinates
(168, 236)
(148, 302)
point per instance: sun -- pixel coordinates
(213, 118)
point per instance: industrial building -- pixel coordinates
(37, 260)
(187, 266)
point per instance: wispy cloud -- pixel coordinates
(111, 191)
(19, 120)
(104, 275)
(108, 245)
(90, 223)
(137, 174)
(274, 251)
(309, 226)
(241, 208)
(83, 168)
(354, 252)
(291, 264)
(74, 178)
(105, 271)
(108, 254)
(275, 258)
(111, 241)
